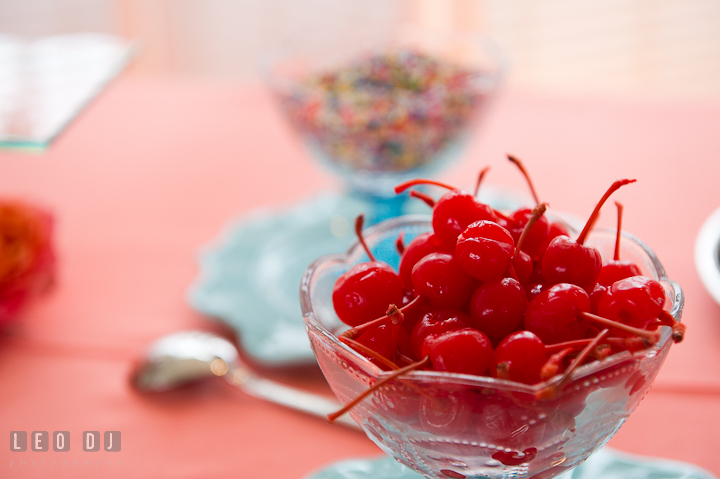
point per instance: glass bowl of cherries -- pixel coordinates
(380, 106)
(481, 343)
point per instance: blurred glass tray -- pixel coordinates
(46, 82)
(604, 464)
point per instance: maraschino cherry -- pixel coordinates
(497, 307)
(635, 301)
(571, 261)
(465, 351)
(365, 291)
(440, 280)
(421, 246)
(435, 323)
(453, 212)
(484, 250)
(522, 263)
(554, 314)
(482, 278)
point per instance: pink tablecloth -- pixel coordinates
(154, 169)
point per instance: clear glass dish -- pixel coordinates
(376, 134)
(453, 425)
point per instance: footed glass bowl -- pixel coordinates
(377, 106)
(445, 425)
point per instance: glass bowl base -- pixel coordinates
(606, 463)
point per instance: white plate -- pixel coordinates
(706, 254)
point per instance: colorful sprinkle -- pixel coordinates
(387, 112)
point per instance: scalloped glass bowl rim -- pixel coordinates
(465, 379)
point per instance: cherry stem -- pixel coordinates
(377, 385)
(602, 351)
(550, 391)
(596, 212)
(405, 359)
(581, 357)
(651, 336)
(520, 165)
(535, 215)
(575, 345)
(553, 364)
(369, 352)
(503, 370)
(400, 243)
(678, 328)
(628, 343)
(358, 231)
(396, 319)
(393, 314)
(616, 255)
(482, 174)
(421, 181)
(426, 198)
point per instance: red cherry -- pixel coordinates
(435, 323)
(567, 261)
(537, 236)
(634, 301)
(497, 307)
(418, 248)
(522, 263)
(520, 357)
(453, 212)
(570, 261)
(613, 271)
(554, 314)
(523, 266)
(379, 339)
(438, 278)
(464, 351)
(484, 250)
(557, 229)
(597, 293)
(364, 292)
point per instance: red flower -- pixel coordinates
(27, 259)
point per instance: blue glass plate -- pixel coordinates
(604, 464)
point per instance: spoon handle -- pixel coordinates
(293, 398)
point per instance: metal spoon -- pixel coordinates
(189, 356)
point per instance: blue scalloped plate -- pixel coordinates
(604, 464)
